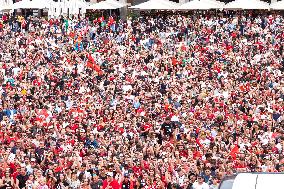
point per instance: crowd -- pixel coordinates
(157, 101)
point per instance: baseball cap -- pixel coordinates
(110, 174)
(126, 175)
(200, 176)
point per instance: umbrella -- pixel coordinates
(157, 5)
(105, 5)
(277, 5)
(6, 5)
(35, 4)
(116, 3)
(202, 5)
(247, 4)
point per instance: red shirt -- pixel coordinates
(113, 184)
(137, 170)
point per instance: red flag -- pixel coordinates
(101, 19)
(96, 67)
(91, 64)
(95, 21)
(234, 152)
(42, 115)
(90, 61)
(110, 21)
(174, 61)
(72, 35)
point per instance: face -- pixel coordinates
(74, 176)
(109, 178)
(23, 170)
(61, 176)
(31, 177)
(200, 179)
(207, 172)
(7, 173)
(86, 182)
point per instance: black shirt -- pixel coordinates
(126, 184)
(168, 128)
(96, 185)
(22, 180)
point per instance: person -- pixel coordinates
(110, 182)
(127, 183)
(200, 184)
(22, 178)
(6, 181)
(168, 127)
(73, 181)
(96, 183)
(164, 97)
(30, 182)
(214, 184)
(85, 184)
(61, 182)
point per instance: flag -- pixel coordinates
(110, 21)
(72, 34)
(103, 24)
(96, 68)
(42, 115)
(234, 152)
(66, 24)
(101, 19)
(91, 64)
(112, 27)
(90, 61)
(76, 46)
(90, 58)
(95, 21)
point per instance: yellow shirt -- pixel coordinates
(24, 92)
(20, 18)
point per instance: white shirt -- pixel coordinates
(196, 185)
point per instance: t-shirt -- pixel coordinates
(113, 184)
(168, 128)
(126, 185)
(196, 185)
(96, 185)
(22, 180)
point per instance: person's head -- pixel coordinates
(109, 176)
(207, 171)
(215, 180)
(92, 136)
(74, 176)
(151, 172)
(7, 172)
(126, 177)
(23, 170)
(50, 173)
(200, 179)
(95, 177)
(31, 177)
(258, 169)
(41, 143)
(85, 182)
(61, 177)
(42, 181)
